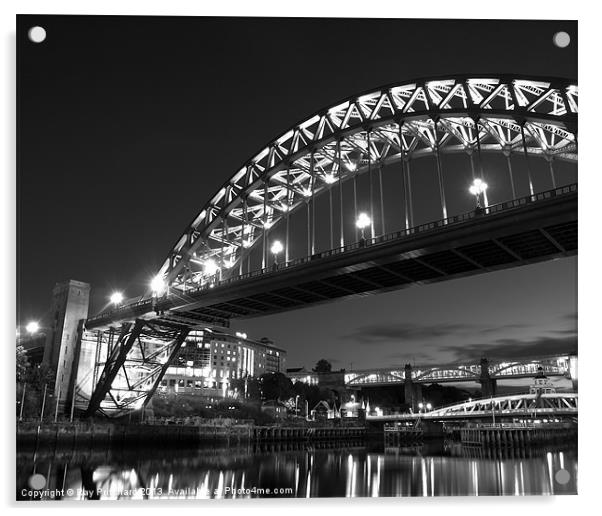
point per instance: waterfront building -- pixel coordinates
(209, 360)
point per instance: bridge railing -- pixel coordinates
(368, 242)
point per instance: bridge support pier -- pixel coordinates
(488, 384)
(412, 391)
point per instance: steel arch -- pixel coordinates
(409, 120)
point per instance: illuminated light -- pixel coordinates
(116, 298)
(478, 187)
(32, 327)
(363, 221)
(420, 405)
(268, 224)
(277, 247)
(210, 267)
(246, 243)
(284, 208)
(429, 406)
(329, 179)
(352, 167)
(306, 192)
(241, 335)
(158, 285)
(189, 363)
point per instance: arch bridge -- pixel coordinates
(553, 366)
(388, 155)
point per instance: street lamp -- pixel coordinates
(276, 248)
(429, 406)
(362, 222)
(477, 188)
(116, 298)
(210, 267)
(420, 406)
(158, 285)
(32, 327)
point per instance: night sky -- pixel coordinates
(127, 126)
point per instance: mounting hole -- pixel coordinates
(562, 476)
(37, 481)
(562, 39)
(37, 34)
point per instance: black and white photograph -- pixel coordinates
(295, 257)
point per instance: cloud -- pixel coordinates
(406, 332)
(516, 348)
(381, 333)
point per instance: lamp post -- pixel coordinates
(477, 188)
(210, 267)
(276, 249)
(158, 288)
(362, 222)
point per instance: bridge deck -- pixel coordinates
(519, 232)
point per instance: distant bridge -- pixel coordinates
(553, 366)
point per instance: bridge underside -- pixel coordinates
(521, 232)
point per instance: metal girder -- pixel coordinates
(136, 365)
(174, 352)
(114, 363)
(417, 118)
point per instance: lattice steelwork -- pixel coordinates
(556, 403)
(516, 405)
(135, 364)
(397, 123)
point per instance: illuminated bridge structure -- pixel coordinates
(501, 407)
(307, 189)
(551, 366)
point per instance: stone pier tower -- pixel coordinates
(69, 306)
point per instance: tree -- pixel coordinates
(248, 388)
(22, 364)
(323, 366)
(276, 386)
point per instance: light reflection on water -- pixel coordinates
(342, 471)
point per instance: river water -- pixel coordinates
(293, 470)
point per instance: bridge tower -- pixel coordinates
(488, 384)
(412, 392)
(69, 307)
